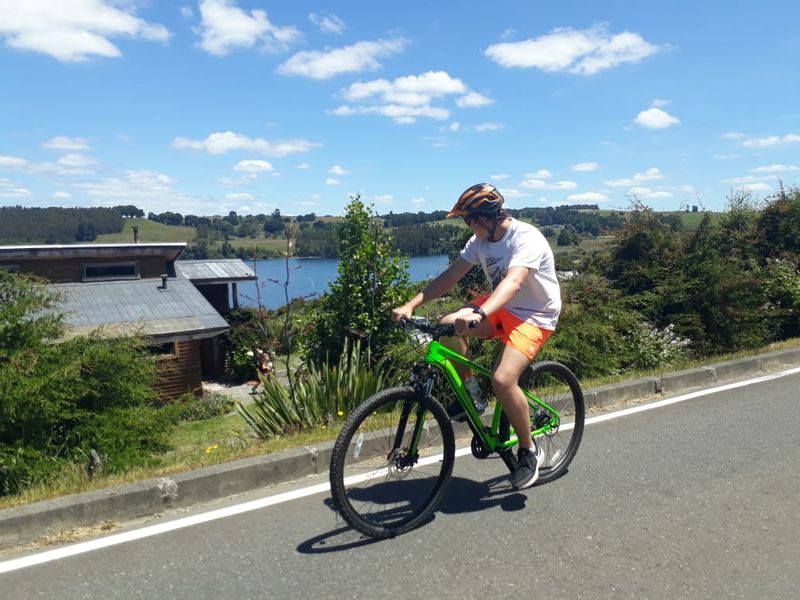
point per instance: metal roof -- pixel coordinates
(177, 312)
(217, 270)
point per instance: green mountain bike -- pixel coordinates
(393, 459)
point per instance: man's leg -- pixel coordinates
(510, 365)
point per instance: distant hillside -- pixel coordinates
(149, 231)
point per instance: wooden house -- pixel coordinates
(140, 289)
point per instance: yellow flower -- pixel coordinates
(210, 449)
(340, 413)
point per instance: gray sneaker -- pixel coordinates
(527, 471)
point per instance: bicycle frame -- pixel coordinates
(493, 439)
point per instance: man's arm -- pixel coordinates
(506, 289)
(443, 283)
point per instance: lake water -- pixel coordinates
(310, 277)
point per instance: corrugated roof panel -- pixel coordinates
(214, 270)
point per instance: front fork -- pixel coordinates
(422, 381)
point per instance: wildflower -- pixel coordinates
(340, 413)
(210, 449)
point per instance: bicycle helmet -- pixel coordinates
(480, 199)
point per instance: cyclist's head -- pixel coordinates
(480, 200)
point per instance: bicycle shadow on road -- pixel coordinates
(462, 496)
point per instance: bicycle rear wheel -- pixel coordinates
(555, 385)
(379, 484)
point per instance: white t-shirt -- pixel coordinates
(539, 299)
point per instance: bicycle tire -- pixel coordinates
(557, 386)
(375, 491)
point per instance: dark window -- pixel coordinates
(111, 271)
(165, 349)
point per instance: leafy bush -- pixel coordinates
(60, 401)
(323, 393)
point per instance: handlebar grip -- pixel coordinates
(474, 324)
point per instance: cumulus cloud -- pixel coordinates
(775, 169)
(327, 23)
(65, 143)
(587, 166)
(62, 196)
(511, 193)
(539, 184)
(756, 187)
(733, 135)
(655, 118)
(253, 166)
(332, 181)
(338, 170)
(473, 99)
(406, 98)
(540, 174)
(646, 193)
(650, 174)
(361, 56)
(587, 197)
(224, 27)
(582, 52)
(224, 142)
(489, 126)
(772, 140)
(12, 163)
(239, 197)
(73, 30)
(418, 201)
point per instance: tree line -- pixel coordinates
(22, 225)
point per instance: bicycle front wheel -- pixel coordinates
(391, 462)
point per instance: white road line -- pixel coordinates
(144, 532)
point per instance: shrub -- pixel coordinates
(323, 393)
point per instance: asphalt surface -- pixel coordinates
(695, 499)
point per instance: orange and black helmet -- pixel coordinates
(480, 199)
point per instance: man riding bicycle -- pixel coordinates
(522, 309)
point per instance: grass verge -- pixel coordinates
(198, 444)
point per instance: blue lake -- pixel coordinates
(310, 277)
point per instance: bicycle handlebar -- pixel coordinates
(437, 331)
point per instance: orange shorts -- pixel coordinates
(513, 331)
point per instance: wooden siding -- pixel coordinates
(181, 373)
(69, 270)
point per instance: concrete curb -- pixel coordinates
(28, 523)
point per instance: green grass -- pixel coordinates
(149, 231)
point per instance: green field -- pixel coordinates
(149, 231)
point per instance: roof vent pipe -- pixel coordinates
(135, 234)
(163, 282)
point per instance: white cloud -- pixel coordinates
(473, 100)
(12, 163)
(651, 174)
(499, 177)
(338, 170)
(737, 180)
(406, 98)
(62, 196)
(239, 197)
(773, 140)
(582, 52)
(587, 197)
(75, 162)
(66, 143)
(332, 181)
(361, 56)
(224, 142)
(253, 166)
(246, 179)
(187, 12)
(655, 118)
(454, 126)
(540, 174)
(775, 169)
(327, 23)
(224, 26)
(756, 187)
(418, 201)
(303, 166)
(646, 193)
(73, 30)
(384, 199)
(9, 192)
(510, 193)
(538, 184)
(485, 127)
(660, 103)
(587, 166)
(733, 135)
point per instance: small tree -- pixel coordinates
(372, 279)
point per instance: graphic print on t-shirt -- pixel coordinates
(495, 270)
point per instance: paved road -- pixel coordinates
(696, 499)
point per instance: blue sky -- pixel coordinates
(218, 105)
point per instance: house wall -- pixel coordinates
(68, 270)
(180, 373)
